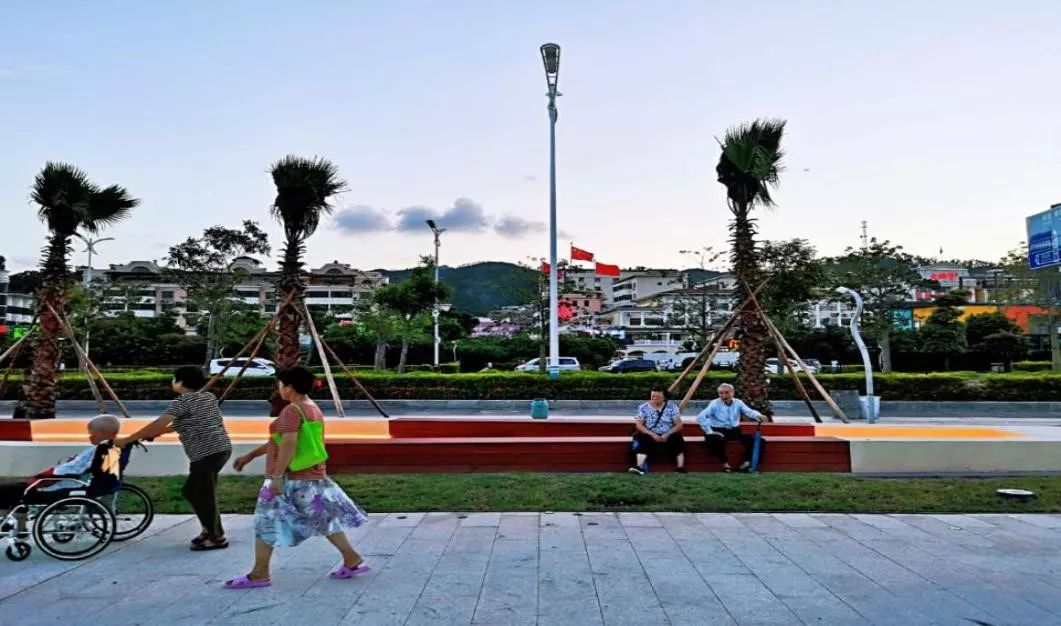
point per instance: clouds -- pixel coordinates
(464, 215)
(362, 219)
(514, 227)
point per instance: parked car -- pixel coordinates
(567, 364)
(726, 360)
(258, 367)
(772, 363)
(813, 365)
(627, 366)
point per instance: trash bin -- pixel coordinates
(539, 408)
(869, 407)
(998, 368)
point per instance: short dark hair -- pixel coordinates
(663, 390)
(190, 376)
(299, 378)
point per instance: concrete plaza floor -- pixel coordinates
(564, 568)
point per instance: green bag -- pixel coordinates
(309, 450)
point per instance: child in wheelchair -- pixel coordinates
(57, 482)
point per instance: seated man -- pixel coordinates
(101, 428)
(658, 426)
(720, 422)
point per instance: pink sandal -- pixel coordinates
(244, 582)
(345, 572)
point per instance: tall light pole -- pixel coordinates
(870, 408)
(551, 59)
(434, 311)
(90, 248)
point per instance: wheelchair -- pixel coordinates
(78, 523)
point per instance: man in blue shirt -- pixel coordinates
(720, 422)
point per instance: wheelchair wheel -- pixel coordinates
(18, 551)
(74, 528)
(133, 511)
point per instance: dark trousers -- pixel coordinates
(200, 490)
(644, 444)
(717, 445)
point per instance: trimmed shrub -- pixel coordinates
(1032, 366)
(496, 385)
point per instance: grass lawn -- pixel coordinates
(655, 492)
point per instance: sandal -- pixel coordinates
(345, 572)
(245, 582)
(209, 544)
(201, 538)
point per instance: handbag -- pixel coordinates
(309, 450)
(634, 444)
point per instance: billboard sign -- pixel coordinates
(1044, 238)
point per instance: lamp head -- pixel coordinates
(551, 59)
(431, 225)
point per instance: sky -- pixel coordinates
(935, 122)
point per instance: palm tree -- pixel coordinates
(69, 202)
(304, 188)
(749, 166)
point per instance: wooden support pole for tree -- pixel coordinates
(729, 324)
(262, 336)
(324, 360)
(775, 336)
(354, 379)
(774, 332)
(15, 349)
(700, 377)
(810, 376)
(89, 365)
(256, 339)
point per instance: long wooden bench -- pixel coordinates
(566, 454)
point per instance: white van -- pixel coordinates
(567, 364)
(257, 367)
(726, 360)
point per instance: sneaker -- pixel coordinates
(681, 470)
(745, 465)
(726, 468)
(636, 470)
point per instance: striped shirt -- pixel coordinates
(198, 422)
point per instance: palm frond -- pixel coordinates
(107, 207)
(750, 163)
(304, 188)
(63, 193)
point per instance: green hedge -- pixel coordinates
(965, 386)
(1032, 366)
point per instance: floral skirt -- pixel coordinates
(308, 508)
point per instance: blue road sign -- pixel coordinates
(1044, 238)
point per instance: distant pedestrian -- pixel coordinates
(298, 500)
(196, 417)
(835, 365)
(658, 426)
(720, 422)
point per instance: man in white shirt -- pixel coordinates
(720, 422)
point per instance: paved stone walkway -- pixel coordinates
(563, 568)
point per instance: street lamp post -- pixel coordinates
(90, 248)
(870, 406)
(434, 311)
(551, 59)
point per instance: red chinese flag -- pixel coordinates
(545, 268)
(578, 254)
(603, 269)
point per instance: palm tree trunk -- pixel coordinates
(290, 282)
(43, 381)
(751, 377)
(211, 342)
